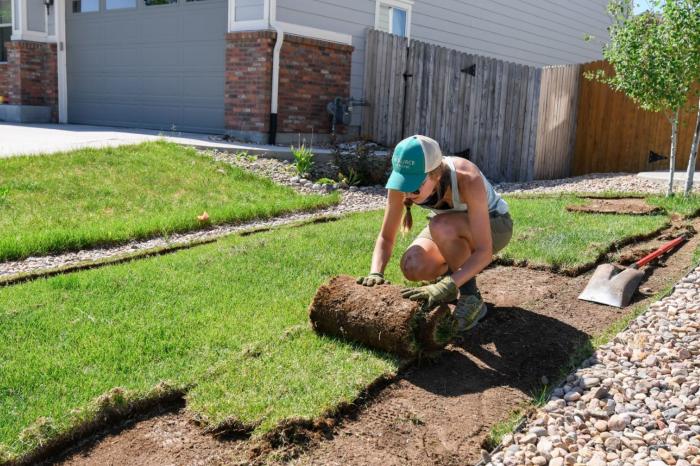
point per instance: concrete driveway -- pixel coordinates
(25, 139)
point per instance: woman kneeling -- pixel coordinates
(469, 222)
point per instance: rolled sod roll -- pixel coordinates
(378, 317)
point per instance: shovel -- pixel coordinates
(615, 286)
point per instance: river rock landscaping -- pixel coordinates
(635, 401)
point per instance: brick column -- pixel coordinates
(248, 85)
(4, 71)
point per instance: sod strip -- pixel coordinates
(545, 234)
(229, 319)
(98, 197)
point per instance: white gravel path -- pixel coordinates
(635, 402)
(595, 183)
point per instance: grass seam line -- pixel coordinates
(24, 277)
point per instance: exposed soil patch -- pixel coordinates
(625, 205)
(437, 412)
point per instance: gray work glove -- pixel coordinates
(433, 295)
(374, 278)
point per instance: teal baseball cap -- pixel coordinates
(413, 158)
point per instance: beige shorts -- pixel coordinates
(501, 231)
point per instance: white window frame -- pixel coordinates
(406, 5)
(11, 23)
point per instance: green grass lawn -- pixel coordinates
(685, 206)
(94, 197)
(228, 319)
(546, 234)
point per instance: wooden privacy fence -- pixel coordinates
(614, 135)
(494, 109)
(556, 125)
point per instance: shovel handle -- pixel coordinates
(661, 250)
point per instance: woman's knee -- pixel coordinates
(412, 263)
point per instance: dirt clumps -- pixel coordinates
(629, 206)
(378, 317)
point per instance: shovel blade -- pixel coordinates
(612, 286)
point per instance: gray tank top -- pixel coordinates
(495, 202)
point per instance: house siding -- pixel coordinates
(249, 10)
(532, 32)
(36, 16)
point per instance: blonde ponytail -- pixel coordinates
(407, 222)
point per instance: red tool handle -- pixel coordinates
(662, 250)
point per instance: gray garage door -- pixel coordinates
(141, 65)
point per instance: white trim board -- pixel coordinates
(293, 29)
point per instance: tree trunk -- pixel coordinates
(672, 157)
(693, 155)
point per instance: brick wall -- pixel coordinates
(248, 80)
(30, 75)
(312, 73)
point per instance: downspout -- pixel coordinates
(272, 139)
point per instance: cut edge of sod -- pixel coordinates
(112, 407)
(583, 268)
(517, 419)
(119, 405)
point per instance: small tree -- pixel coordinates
(652, 59)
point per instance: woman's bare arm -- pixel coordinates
(384, 245)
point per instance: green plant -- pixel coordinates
(244, 155)
(4, 192)
(303, 159)
(656, 59)
(352, 178)
(325, 181)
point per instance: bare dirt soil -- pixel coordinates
(436, 412)
(626, 205)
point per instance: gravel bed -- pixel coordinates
(595, 183)
(636, 401)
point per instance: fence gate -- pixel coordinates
(466, 102)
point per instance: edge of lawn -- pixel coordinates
(88, 264)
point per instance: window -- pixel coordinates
(85, 6)
(5, 27)
(120, 4)
(159, 2)
(394, 16)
